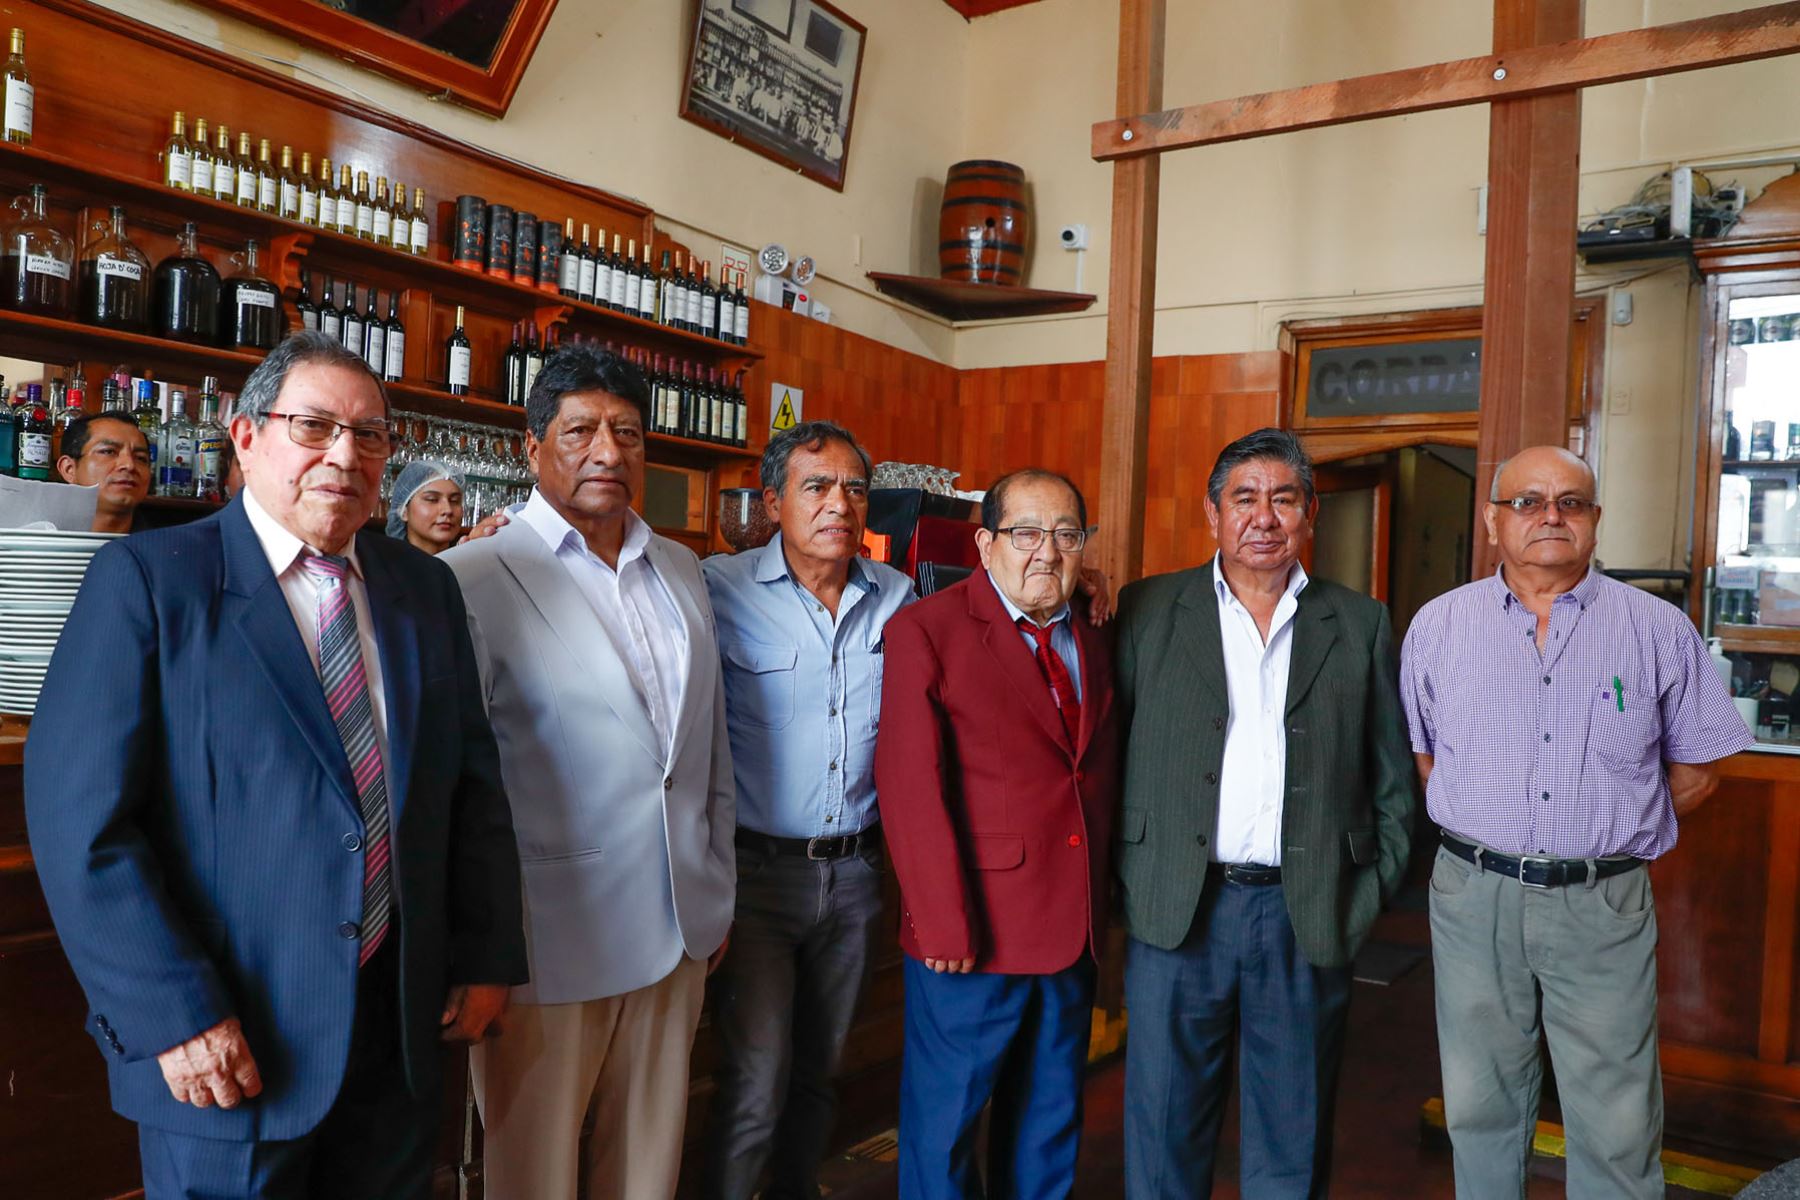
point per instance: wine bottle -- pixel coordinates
(331, 320)
(365, 208)
(396, 340)
(675, 303)
(268, 180)
(200, 168)
(309, 311)
(245, 169)
(251, 313)
(587, 270)
(381, 214)
(35, 433)
(647, 281)
(512, 369)
(568, 271)
(743, 318)
(727, 310)
(186, 292)
(309, 190)
(421, 229)
(39, 265)
(534, 359)
(346, 201)
(634, 283)
(353, 321)
(693, 295)
(654, 378)
(224, 168)
(709, 304)
(115, 279)
(603, 273)
(374, 347)
(619, 273)
(457, 356)
(327, 196)
(178, 156)
(287, 195)
(737, 394)
(19, 93)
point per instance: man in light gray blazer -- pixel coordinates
(595, 642)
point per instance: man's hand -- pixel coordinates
(488, 526)
(718, 956)
(951, 966)
(472, 1011)
(1093, 584)
(214, 1067)
(1690, 784)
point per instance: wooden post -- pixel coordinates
(1534, 152)
(1131, 303)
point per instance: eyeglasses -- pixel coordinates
(1027, 538)
(1531, 506)
(321, 433)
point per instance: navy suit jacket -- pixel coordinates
(197, 833)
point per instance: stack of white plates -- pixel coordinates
(40, 572)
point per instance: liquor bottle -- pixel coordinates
(586, 270)
(175, 449)
(186, 292)
(68, 401)
(743, 319)
(1734, 440)
(534, 359)
(353, 321)
(200, 168)
(381, 214)
(727, 310)
(737, 394)
(512, 369)
(647, 288)
(364, 208)
(693, 295)
(619, 273)
(32, 420)
(39, 264)
(634, 282)
(331, 320)
(603, 272)
(209, 445)
(148, 415)
(19, 93)
(374, 347)
(309, 190)
(268, 180)
(709, 304)
(568, 271)
(309, 311)
(9, 433)
(224, 168)
(245, 168)
(112, 395)
(457, 358)
(346, 202)
(251, 310)
(327, 196)
(115, 279)
(421, 228)
(287, 187)
(675, 297)
(396, 340)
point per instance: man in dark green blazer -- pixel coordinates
(1267, 809)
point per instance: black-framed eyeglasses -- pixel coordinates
(321, 433)
(1531, 506)
(1027, 538)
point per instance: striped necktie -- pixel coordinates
(346, 687)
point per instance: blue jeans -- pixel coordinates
(1018, 1040)
(1238, 983)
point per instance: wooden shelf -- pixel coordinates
(958, 301)
(1758, 639)
(1739, 464)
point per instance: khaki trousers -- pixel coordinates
(626, 1056)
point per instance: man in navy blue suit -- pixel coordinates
(266, 808)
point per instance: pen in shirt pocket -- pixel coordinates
(1619, 693)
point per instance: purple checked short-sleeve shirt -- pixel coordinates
(1560, 752)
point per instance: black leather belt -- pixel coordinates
(1249, 874)
(818, 849)
(1534, 870)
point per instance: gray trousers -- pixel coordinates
(783, 1003)
(1579, 964)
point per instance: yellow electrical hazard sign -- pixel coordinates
(784, 407)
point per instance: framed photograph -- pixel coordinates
(778, 77)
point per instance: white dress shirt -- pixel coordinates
(1254, 776)
(1062, 635)
(301, 591)
(634, 605)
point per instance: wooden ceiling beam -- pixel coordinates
(1529, 70)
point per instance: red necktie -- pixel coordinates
(1057, 673)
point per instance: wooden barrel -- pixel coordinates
(984, 223)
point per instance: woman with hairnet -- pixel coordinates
(427, 507)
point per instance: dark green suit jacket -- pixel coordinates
(1347, 813)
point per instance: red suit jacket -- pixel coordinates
(999, 829)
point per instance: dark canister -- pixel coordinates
(550, 250)
(468, 247)
(500, 241)
(525, 248)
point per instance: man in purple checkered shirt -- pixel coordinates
(1562, 722)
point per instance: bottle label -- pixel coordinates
(743, 322)
(252, 299)
(674, 303)
(421, 235)
(585, 279)
(532, 367)
(376, 355)
(19, 96)
(224, 181)
(180, 167)
(309, 318)
(384, 225)
(290, 200)
(332, 323)
(396, 354)
(727, 317)
(246, 187)
(459, 366)
(568, 276)
(207, 453)
(353, 334)
(633, 285)
(34, 449)
(647, 300)
(618, 287)
(45, 264)
(603, 283)
(327, 210)
(201, 172)
(309, 206)
(709, 315)
(266, 192)
(693, 306)
(365, 218)
(119, 268)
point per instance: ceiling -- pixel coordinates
(981, 8)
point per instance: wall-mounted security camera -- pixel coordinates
(1074, 237)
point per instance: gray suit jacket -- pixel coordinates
(1348, 810)
(626, 849)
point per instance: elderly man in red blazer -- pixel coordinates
(996, 769)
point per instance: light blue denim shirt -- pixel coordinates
(802, 691)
